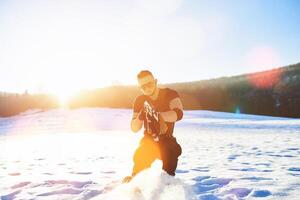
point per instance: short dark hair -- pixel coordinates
(144, 73)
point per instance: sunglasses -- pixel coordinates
(147, 85)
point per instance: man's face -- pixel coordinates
(147, 84)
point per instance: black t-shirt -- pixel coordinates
(161, 104)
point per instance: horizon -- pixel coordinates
(59, 47)
(64, 99)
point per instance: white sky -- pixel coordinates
(63, 46)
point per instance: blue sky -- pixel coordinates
(64, 46)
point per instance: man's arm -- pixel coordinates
(176, 112)
(136, 123)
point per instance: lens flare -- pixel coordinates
(264, 80)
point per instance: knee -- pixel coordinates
(178, 150)
(171, 148)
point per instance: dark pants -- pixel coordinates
(166, 149)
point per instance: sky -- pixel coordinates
(61, 46)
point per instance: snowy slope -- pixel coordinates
(83, 153)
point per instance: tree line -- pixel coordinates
(273, 92)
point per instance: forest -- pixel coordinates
(273, 92)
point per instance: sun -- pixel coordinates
(64, 96)
(63, 100)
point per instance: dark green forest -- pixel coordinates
(274, 92)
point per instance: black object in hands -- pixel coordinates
(152, 120)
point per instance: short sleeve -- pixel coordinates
(172, 94)
(138, 104)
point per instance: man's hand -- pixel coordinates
(137, 121)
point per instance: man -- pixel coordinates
(157, 109)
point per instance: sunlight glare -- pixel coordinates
(64, 95)
(63, 100)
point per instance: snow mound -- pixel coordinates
(152, 184)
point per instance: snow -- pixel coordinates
(83, 154)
